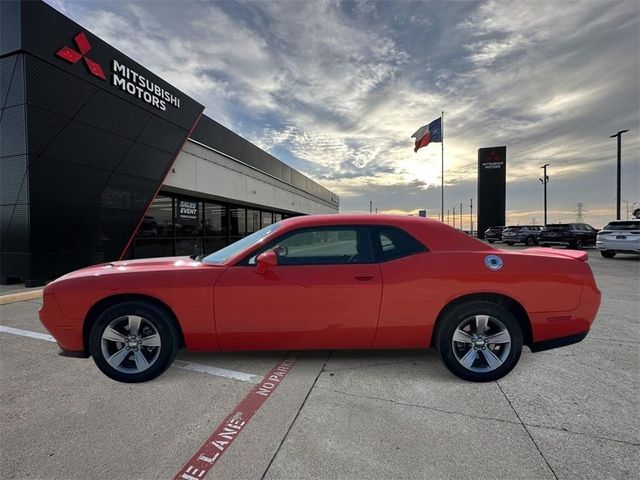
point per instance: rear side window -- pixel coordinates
(392, 243)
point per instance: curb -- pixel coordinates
(20, 297)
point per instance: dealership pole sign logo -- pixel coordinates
(122, 76)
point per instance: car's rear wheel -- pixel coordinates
(577, 244)
(491, 241)
(509, 243)
(133, 341)
(607, 254)
(479, 341)
(531, 242)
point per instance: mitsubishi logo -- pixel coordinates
(72, 56)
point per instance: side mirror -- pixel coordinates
(265, 261)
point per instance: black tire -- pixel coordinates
(577, 244)
(152, 317)
(452, 319)
(491, 241)
(544, 245)
(607, 254)
(530, 242)
(509, 243)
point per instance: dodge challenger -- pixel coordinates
(328, 282)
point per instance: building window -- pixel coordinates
(158, 222)
(253, 221)
(178, 225)
(215, 220)
(267, 219)
(238, 218)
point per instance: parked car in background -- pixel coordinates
(493, 234)
(619, 236)
(572, 235)
(527, 234)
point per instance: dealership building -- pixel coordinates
(100, 159)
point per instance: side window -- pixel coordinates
(394, 243)
(324, 246)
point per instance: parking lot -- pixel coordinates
(566, 413)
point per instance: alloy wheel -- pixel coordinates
(130, 344)
(481, 343)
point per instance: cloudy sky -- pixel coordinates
(335, 89)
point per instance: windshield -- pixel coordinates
(512, 229)
(630, 225)
(224, 254)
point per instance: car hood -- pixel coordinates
(138, 266)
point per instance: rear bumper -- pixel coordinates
(73, 354)
(558, 342)
(545, 241)
(619, 246)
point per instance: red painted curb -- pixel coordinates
(224, 435)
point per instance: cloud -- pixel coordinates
(336, 88)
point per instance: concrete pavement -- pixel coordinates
(566, 413)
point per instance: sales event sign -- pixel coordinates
(188, 210)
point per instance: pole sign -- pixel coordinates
(492, 176)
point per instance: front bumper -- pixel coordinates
(68, 334)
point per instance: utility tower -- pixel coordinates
(580, 211)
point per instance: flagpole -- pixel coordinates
(442, 174)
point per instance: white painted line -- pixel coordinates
(27, 333)
(216, 372)
(193, 367)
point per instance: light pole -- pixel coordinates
(471, 214)
(370, 206)
(454, 217)
(619, 135)
(545, 180)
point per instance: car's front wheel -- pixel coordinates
(133, 341)
(479, 341)
(531, 242)
(607, 254)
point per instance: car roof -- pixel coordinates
(355, 219)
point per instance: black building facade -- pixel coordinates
(87, 137)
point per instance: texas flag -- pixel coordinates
(428, 133)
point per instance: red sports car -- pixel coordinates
(328, 282)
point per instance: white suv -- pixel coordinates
(619, 236)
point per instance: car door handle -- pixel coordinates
(364, 278)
